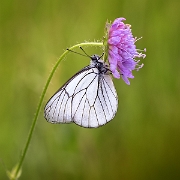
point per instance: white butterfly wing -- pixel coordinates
(88, 99)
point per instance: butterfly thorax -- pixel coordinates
(99, 64)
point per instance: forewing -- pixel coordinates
(67, 102)
(98, 104)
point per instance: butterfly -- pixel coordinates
(88, 98)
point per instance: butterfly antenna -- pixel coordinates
(86, 55)
(101, 55)
(84, 51)
(76, 52)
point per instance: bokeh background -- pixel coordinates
(141, 142)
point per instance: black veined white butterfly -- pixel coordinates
(88, 99)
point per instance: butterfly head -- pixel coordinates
(96, 61)
(95, 57)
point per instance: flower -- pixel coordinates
(122, 50)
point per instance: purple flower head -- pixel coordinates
(122, 50)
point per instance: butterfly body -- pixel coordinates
(88, 99)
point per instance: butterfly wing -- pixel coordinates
(88, 99)
(59, 108)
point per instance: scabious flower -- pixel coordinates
(122, 50)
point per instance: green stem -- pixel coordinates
(41, 100)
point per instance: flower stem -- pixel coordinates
(15, 174)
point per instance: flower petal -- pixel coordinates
(114, 40)
(116, 74)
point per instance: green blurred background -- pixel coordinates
(141, 142)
